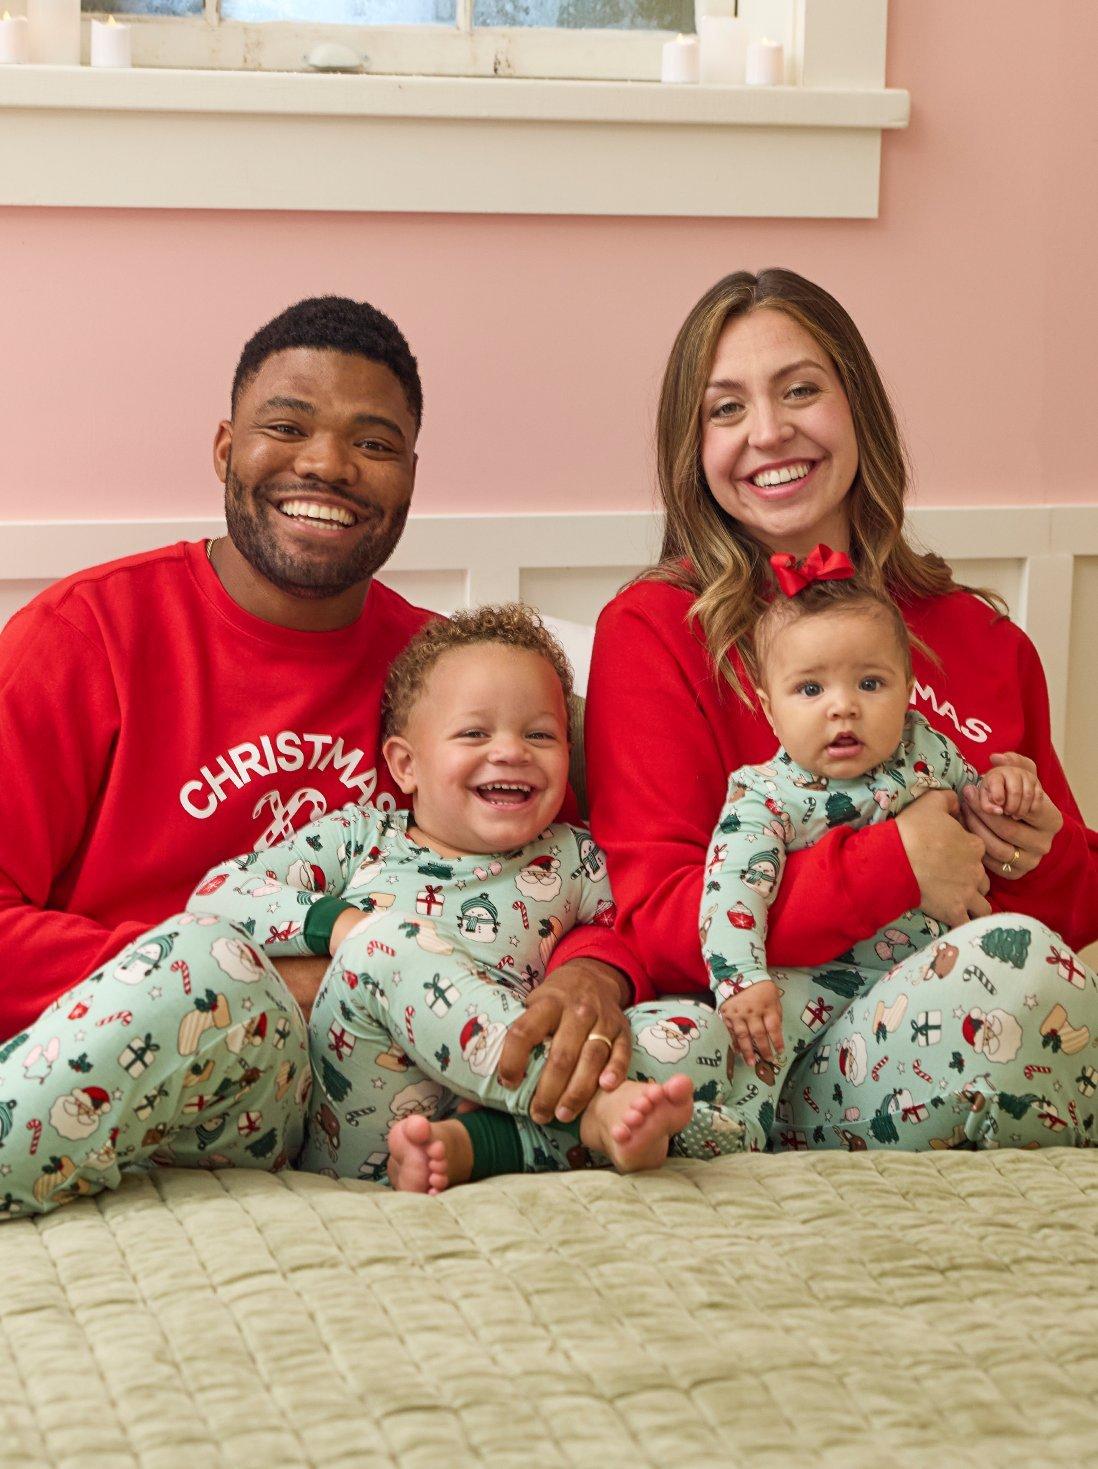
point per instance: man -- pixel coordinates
(161, 712)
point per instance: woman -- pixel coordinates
(775, 433)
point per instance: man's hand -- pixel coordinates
(754, 1021)
(946, 860)
(302, 978)
(576, 1005)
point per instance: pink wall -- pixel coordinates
(542, 340)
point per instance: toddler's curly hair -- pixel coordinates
(512, 624)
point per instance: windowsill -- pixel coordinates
(190, 139)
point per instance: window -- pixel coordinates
(456, 116)
(593, 39)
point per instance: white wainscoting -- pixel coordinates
(1043, 560)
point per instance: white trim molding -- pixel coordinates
(573, 564)
(157, 137)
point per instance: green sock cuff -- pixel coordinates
(495, 1140)
(320, 919)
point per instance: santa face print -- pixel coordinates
(484, 753)
(836, 691)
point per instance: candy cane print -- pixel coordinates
(1032, 1071)
(520, 909)
(375, 946)
(409, 1016)
(918, 1070)
(506, 962)
(807, 1095)
(880, 1066)
(35, 1128)
(125, 1016)
(183, 969)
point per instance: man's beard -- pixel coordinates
(314, 577)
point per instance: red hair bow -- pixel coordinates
(821, 564)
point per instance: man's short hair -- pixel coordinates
(334, 324)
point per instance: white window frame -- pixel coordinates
(208, 42)
(501, 132)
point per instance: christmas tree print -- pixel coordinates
(766, 1116)
(315, 843)
(729, 823)
(841, 982)
(719, 967)
(249, 927)
(840, 809)
(1018, 1106)
(263, 1145)
(1010, 945)
(334, 1082)
(441, 870)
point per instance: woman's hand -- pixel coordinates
(1013, 846)
(580, 1006)
(948, 861)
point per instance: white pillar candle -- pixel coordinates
(680, 60)
(13, 40)
(765, 64)
(723, 45)
(111, 43)
(54, 31)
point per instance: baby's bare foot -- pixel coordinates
(634, 1124)
(417, 1158)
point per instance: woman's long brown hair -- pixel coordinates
(705, 550)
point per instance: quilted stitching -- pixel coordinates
(820, 1309)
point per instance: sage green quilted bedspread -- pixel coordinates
(821, 1309)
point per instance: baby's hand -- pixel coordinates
(754, 1021)
(1010, 790)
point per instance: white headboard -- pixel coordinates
(1043, 560)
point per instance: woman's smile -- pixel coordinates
(778, 446)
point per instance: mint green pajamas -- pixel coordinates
(184, 1048)
(917, 1037)
(414, 1009)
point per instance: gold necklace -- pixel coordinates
(209, 549)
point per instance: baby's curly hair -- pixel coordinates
(512, 624)
(817, 599)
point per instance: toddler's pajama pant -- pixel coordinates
(395, 1031)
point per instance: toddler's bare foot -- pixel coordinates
(633, 1124)
(427, 1157)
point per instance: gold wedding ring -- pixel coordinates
(594, 1036)
(1008, 867)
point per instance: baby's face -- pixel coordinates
(485, 750)
(836, 691)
